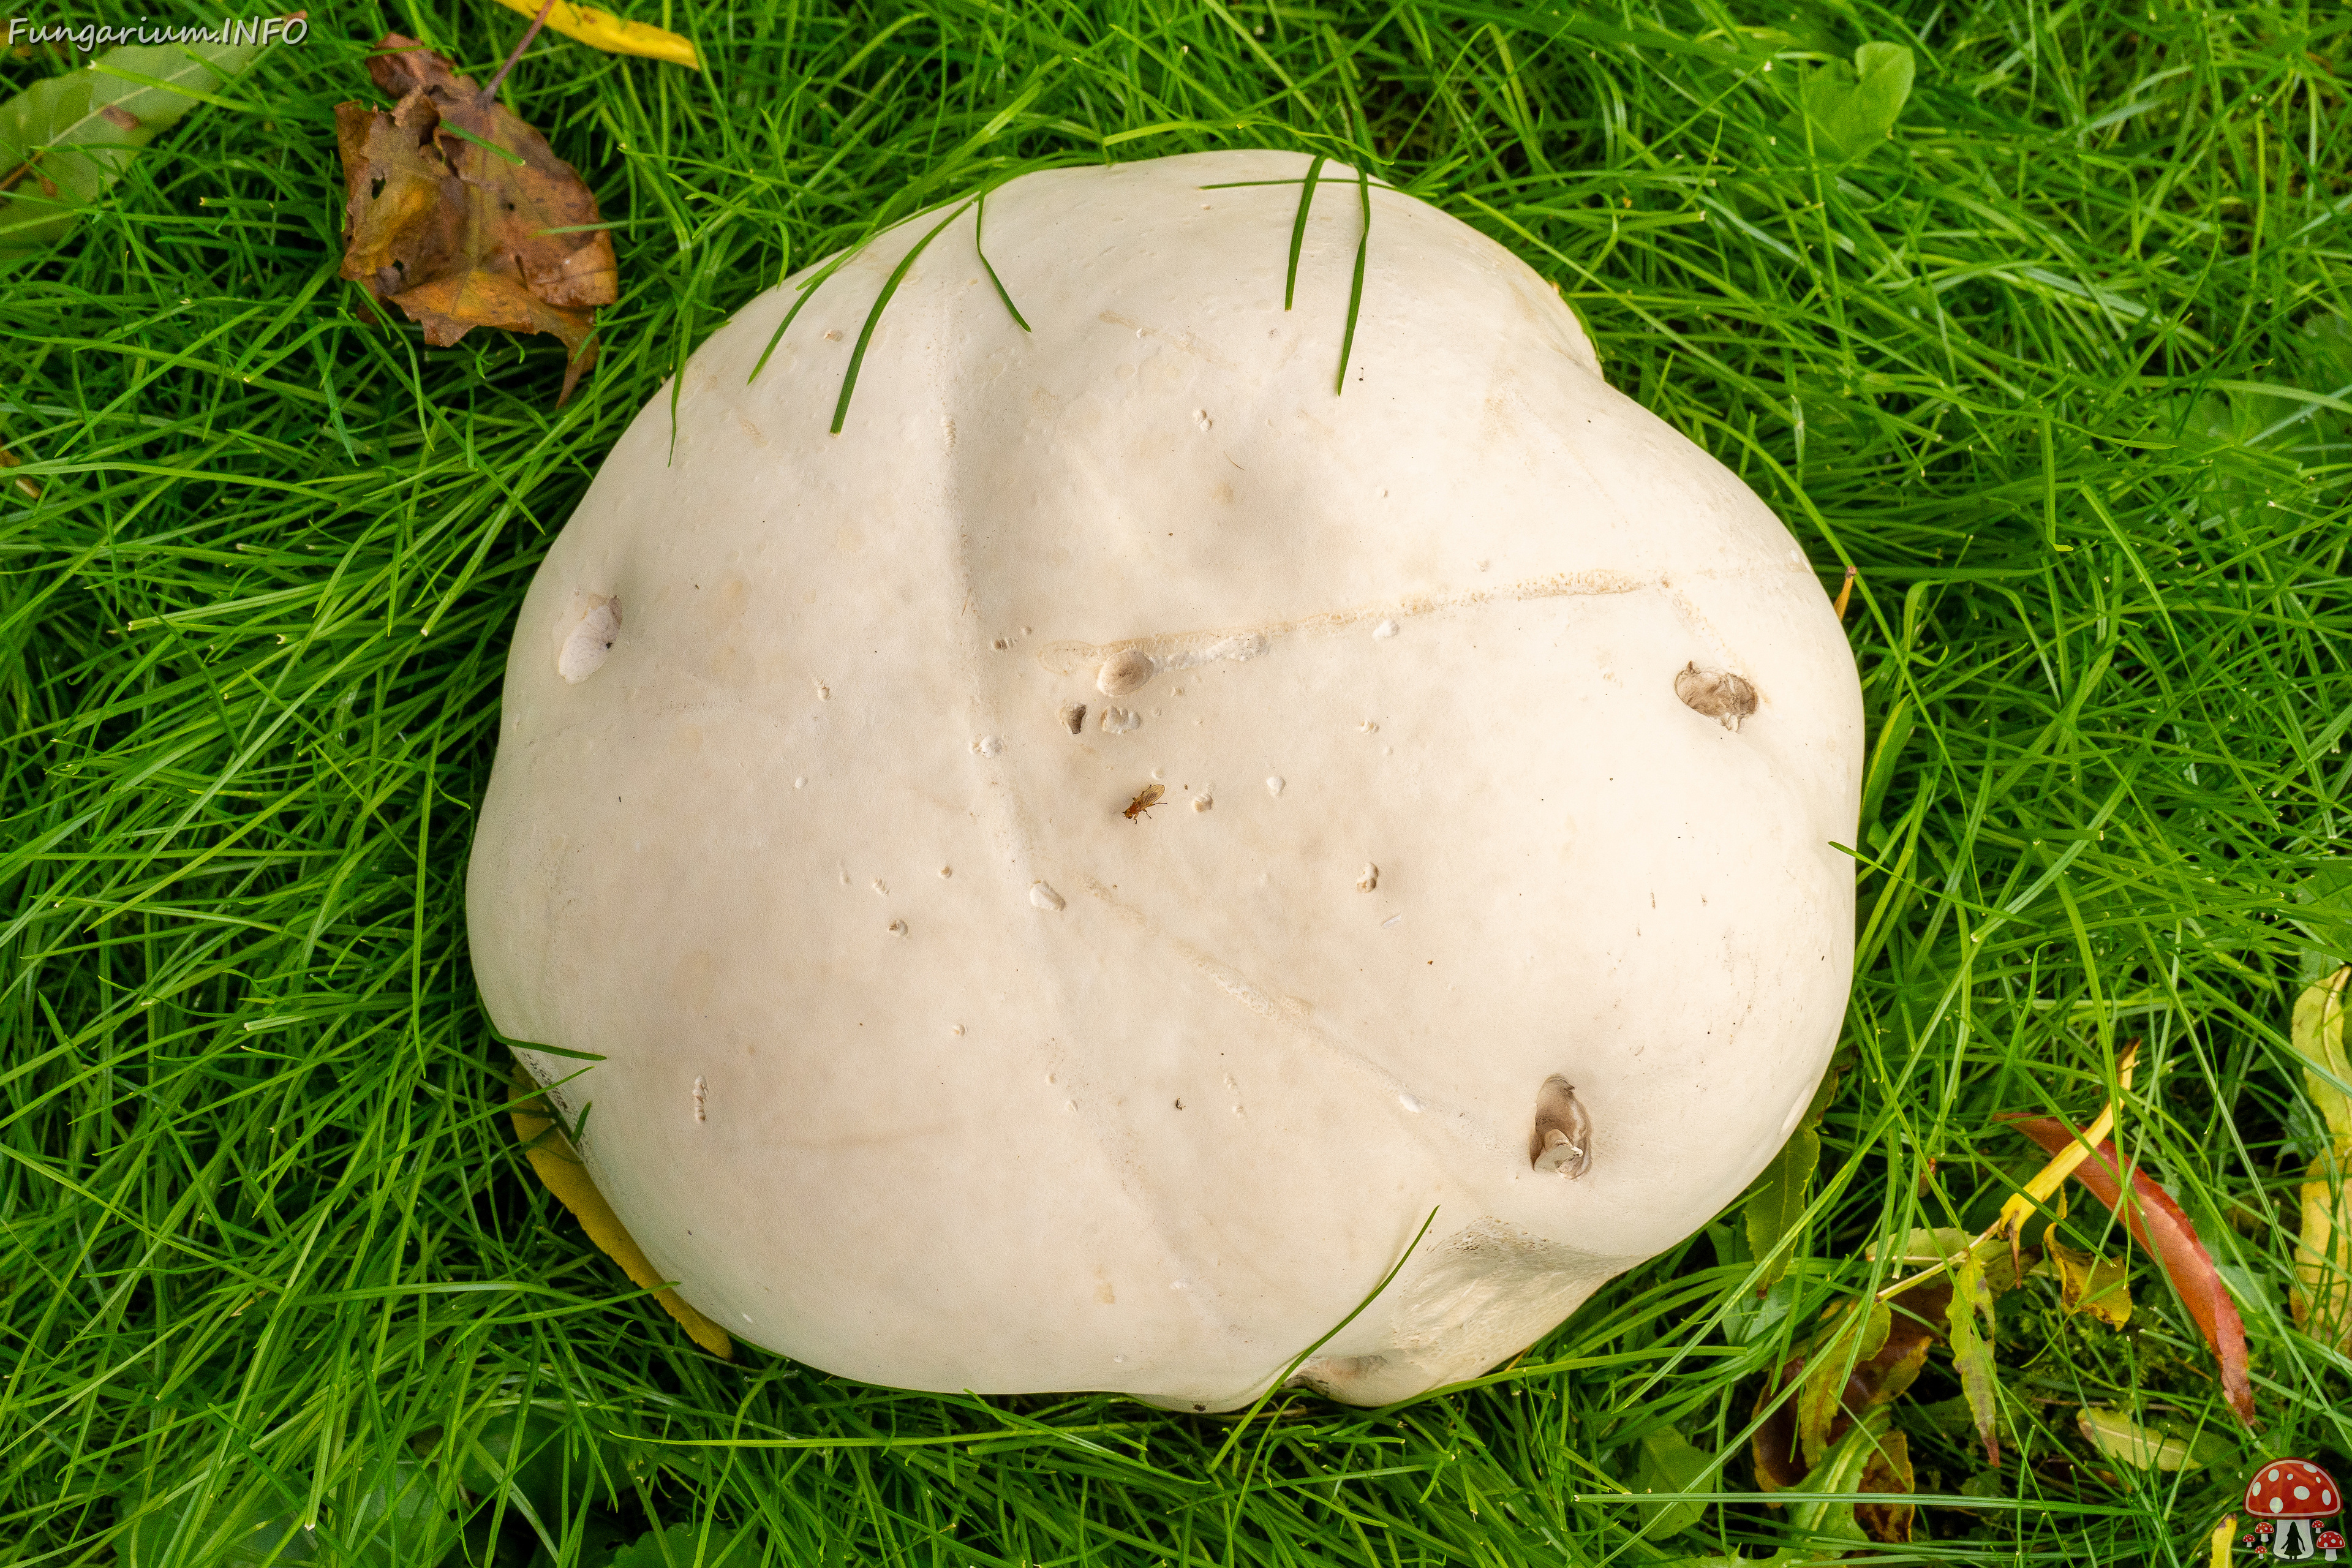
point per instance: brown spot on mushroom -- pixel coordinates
(1562, 1138)
(1073, 716)
(1717, 693)
(1124, 671)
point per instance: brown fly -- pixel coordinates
(1145, 799)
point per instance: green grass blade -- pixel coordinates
(980, 213)
(1355, 283)
(873, 316)
(1298, 229)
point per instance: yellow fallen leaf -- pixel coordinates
(2099, 1286)
(560, 1167)
(2322, 1297)
(2317, 1034)
(2225, 1536)
(603, 30)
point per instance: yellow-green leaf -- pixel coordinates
(1972, 1350)
(1827, 1368)
(1852, 108)
(1669, 1464)
(1776, 1198)
(2126, 1441)
(1819, 1522)
(66, 139)
(2317, 1034)
(2321, 1298)
(2088, 1283)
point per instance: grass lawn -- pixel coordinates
(2065, 367)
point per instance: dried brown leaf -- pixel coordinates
(1888, 1471)
(456, 211)
(1912, 1327)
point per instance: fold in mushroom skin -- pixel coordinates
(925, 1064)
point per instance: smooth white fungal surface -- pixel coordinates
(1451, 606)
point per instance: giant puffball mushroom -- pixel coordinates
(927, 1064)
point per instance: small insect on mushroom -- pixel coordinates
(1145, 799)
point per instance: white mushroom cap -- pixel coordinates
(1209, 1077)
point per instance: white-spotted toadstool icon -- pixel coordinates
(2296, 1495)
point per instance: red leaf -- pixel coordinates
(2160, 1225)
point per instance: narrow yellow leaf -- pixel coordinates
(603, 30)
(560, 1167)
(2051, 1176)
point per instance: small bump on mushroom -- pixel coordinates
(1273, 787)
(589, 641)
(1124, 671)
(1717, 693)
(1044, 896)
(1073, 716)
(1369, 878)
(1563, 1138)
(1118, 721)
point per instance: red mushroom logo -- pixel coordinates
(2288, 1498)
